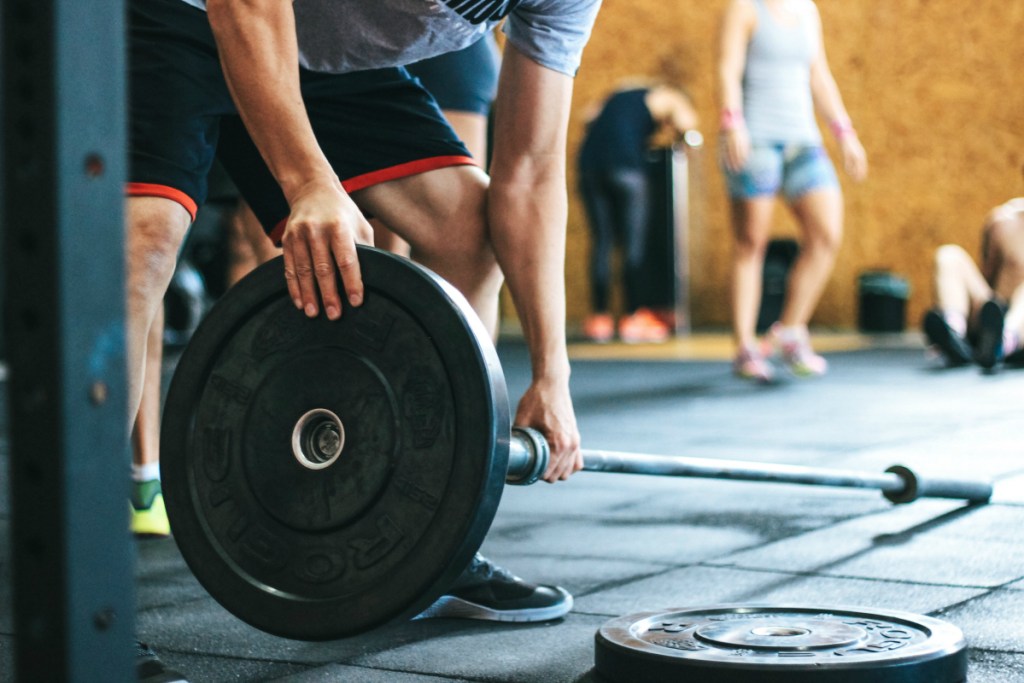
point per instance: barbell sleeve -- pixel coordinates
(916, 486)
(529, 455)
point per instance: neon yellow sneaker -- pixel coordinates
(149, 516)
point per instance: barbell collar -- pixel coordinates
(528, 456)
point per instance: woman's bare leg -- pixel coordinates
(752, 223)
(820, 214)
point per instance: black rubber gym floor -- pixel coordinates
(624, 544)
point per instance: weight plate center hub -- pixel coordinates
(784, 635)
(318, 439)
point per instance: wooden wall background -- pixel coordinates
(934, 87)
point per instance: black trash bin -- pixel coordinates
(883, 301)
(778, 260)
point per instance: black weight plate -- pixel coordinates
(771, 644)
(377, 535)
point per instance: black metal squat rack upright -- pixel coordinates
(63, 170)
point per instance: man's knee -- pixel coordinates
(441, 214)
(465, 240)
(156, 229)
(457, 230)
(463, 253)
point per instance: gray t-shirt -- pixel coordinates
(339, 36)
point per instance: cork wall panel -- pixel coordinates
(934, 87)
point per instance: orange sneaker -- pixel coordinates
(643, 327)
(599, 327)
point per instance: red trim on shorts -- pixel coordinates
(153, 190)
(383, 175)
(409, 168)
(278, 232)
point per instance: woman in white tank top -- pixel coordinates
(774, 78)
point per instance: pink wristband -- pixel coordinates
(731, 118)
(841, 128)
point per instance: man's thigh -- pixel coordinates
(177, 94)
(432, 210)
(375, 128)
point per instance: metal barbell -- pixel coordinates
(529, 454)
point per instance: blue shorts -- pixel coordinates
(793, 169)
(465, 80)
(373, 126)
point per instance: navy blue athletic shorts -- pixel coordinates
(373, 126)
(465, 80)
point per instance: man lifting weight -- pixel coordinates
(309, 109)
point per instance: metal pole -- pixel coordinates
(709, 468)
(680, 193)
(63, 173)
(529, 454)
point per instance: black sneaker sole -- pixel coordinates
(990, 338)
(952, 345)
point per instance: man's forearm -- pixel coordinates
(529, 242)
(527, 208)
(259, 54)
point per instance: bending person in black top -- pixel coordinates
(614, 184)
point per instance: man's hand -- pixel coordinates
(319, 240)
(259, 51)
(547, 407)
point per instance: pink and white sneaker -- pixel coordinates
(794, 346)
(750, 364)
